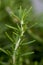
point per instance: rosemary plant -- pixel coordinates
(18, 33)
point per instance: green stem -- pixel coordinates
(18, 43)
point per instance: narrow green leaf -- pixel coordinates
(11, 27)
(3, 51)
(15, 33)
(28, 42)
(25, 14)
(20, 12)
(27, 53)
(22, 41)
(9, 37)
(18, 27)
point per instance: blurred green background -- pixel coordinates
(30, 52)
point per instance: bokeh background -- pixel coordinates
(27, 54)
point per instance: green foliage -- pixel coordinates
(21, 34)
